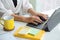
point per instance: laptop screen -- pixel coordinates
(54, 20)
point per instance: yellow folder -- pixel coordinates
(29, 33)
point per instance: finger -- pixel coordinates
(38, 19)
(34, 23)
(46, 14)
(45, 17)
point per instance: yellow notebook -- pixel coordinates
(29, 32)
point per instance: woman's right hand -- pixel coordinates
(33, 19)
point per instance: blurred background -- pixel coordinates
(44, 5)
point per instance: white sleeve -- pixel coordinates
(3, 10)
(26, 5)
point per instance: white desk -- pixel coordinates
(9, 35)
(53, 35)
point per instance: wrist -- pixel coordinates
(38, 14)
(23, 19)
(32, 12)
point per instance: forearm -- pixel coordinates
(31, 11)
(18, 18)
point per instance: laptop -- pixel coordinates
(49, 24)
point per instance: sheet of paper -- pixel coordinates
(33, 31)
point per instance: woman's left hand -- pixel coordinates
(45, 16)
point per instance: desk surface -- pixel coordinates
(53, 35)
(9, 35)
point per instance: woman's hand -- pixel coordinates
(33, 12)
(45, 16)
(33, 19)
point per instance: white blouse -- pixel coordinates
(7, 7)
